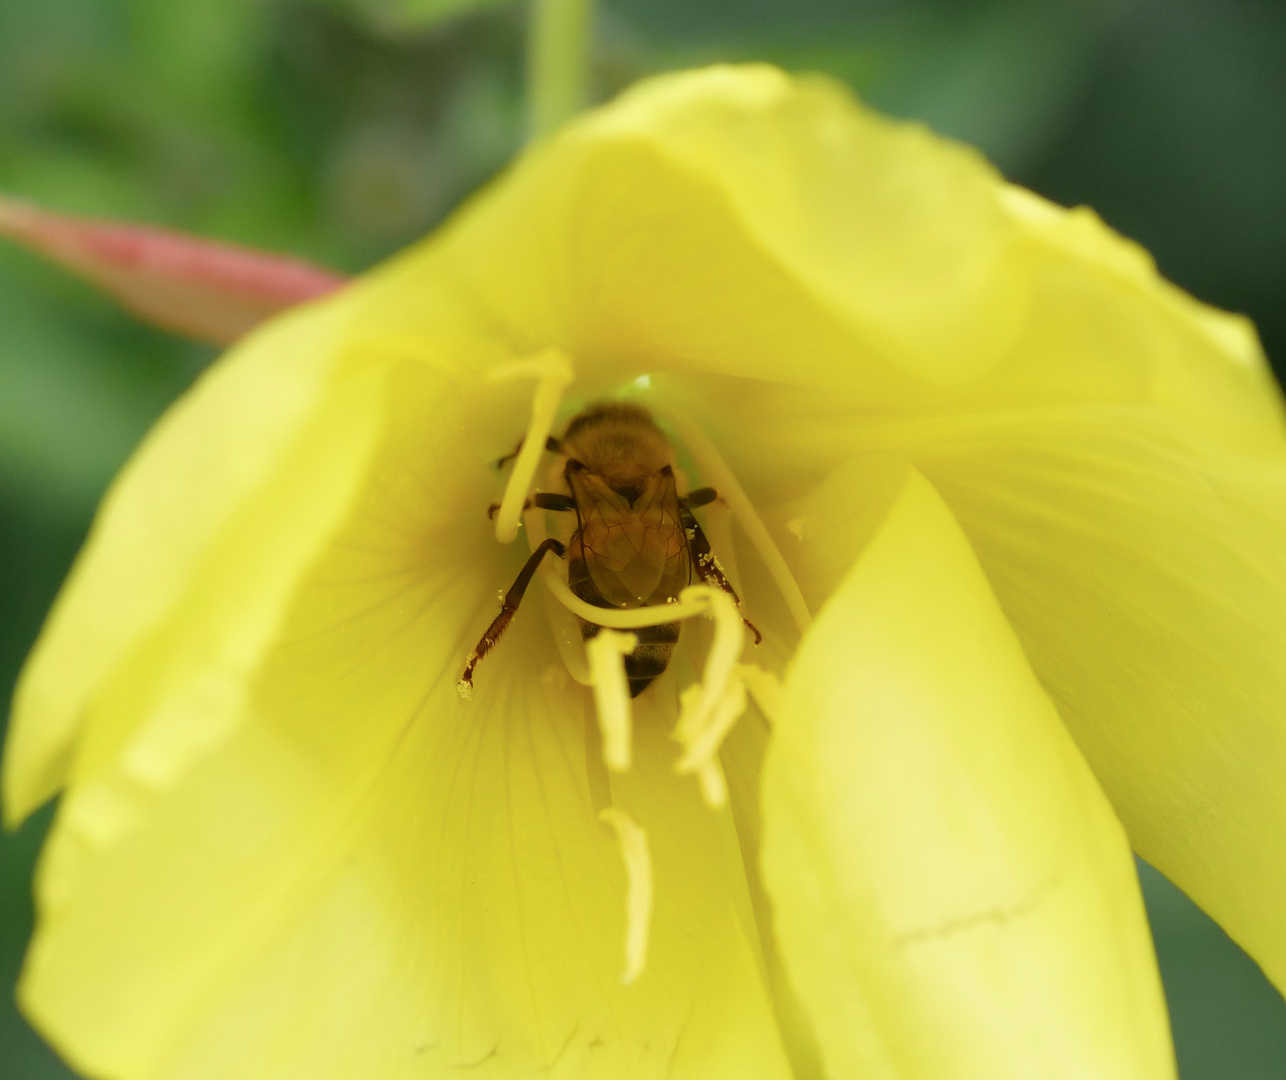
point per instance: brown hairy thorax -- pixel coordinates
(617, 441)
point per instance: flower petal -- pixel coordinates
(1143, 567)
(458, 906)
(734, 220)
(211, 508)
(742, 756)
(367, 876)
(952, 892)
(202, 288)
(1098, 306)
(1102, 331)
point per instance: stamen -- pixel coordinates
(607, 651)
(729, 637)
(710, 729)
(714, 789)
(554, 373)
(708, 712)
(638, 896)
(703, 733)
(715, 471)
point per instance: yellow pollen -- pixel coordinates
(638, 895)
(607, 651)
(553, 372)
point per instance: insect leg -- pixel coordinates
(705, 562)
(546, 500)
(512, 599)
(699, 497)
(551, 444)
(551, 500)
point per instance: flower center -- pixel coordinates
(709, 709)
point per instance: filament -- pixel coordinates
(553, 372)
(638, 895)
(621, 618)
(607, 651)
(715, 471)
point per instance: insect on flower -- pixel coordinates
(1009, 509)
(636, 542)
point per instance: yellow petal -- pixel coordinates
(1100, 328)
(1098, 306)
(742, 756)
(734, 220)
(1144, 569)
(458, 906)
(215, 475)
(952, 893)
(366, 876)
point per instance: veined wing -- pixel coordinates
(635, 555)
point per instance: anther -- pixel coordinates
(708, 712)
(607, 651)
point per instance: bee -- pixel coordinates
(636, 542)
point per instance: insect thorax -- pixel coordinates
(617, 441)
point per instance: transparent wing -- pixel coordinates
(634, 555)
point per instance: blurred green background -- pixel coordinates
(341, 129)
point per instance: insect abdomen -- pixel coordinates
(650, 656)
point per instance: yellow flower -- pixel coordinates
(1034, 497)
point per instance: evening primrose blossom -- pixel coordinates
(1032, 496)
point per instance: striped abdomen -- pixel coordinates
(651, 655)
(656, 643)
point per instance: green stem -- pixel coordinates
(557, 62)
